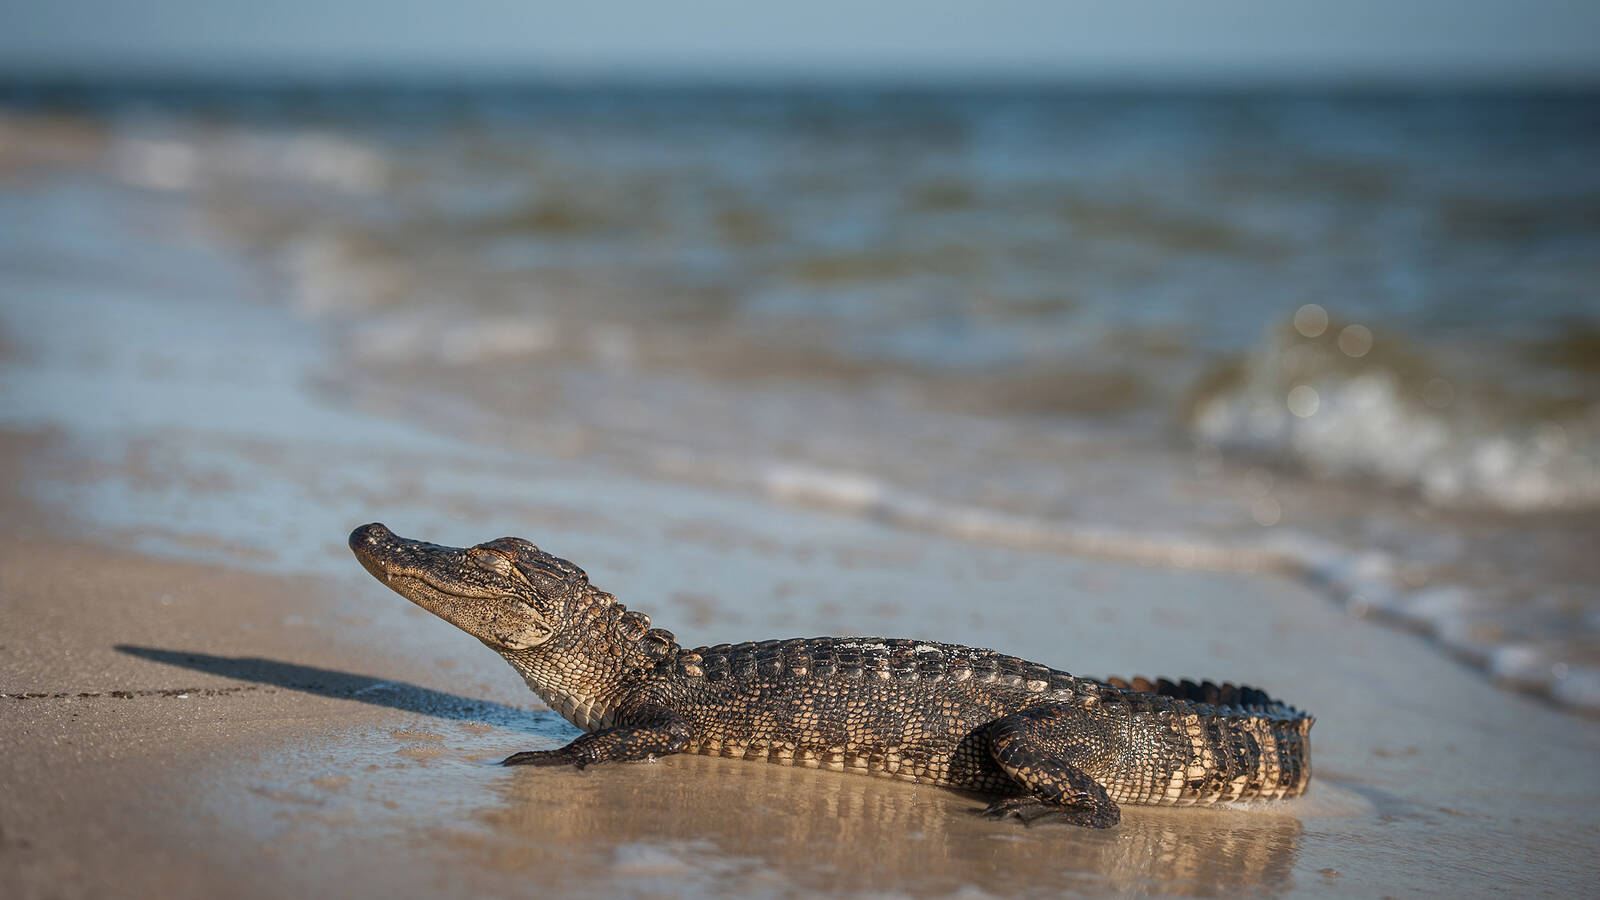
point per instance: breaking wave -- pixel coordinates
(1344, 403)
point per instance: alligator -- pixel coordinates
(1046, 745)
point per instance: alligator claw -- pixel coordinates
(1029, 810)
(1023, 809)
(540, 758)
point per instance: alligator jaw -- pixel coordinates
(384, 553)
(403, 564)
(394, 560)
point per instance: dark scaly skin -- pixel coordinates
(1052, 746)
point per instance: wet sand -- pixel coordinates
(204, 694)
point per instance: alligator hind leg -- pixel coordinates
(1042, 750)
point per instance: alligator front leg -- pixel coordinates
(1043, 749)
(662, 732)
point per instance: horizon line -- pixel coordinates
(1173, 79)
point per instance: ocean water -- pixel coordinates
(1352, 338)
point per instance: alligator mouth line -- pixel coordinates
(381, 552)
(415, 588)
(372, 564)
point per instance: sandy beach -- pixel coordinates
(203, 693)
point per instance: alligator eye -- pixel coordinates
(548, 573)
(489, 561)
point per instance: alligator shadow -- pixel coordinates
(400, 695)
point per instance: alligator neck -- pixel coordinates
(583, 674)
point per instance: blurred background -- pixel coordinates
(1299, 287)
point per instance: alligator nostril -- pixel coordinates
(368, 534)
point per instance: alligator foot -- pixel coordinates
(663, 733)
(1029, 810)
(1040, 749)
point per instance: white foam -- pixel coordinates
(1522, 666)
(187, 158)
(841, 490)
(431, 338)
(1579, 688)
(1371, 418)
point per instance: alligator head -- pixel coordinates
(573, 644)
(506, 592)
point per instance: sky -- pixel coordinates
(1483, 41)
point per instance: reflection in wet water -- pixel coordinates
(385, 806)
(694, 822)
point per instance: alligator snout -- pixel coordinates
(369, 543)
(386, 554)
